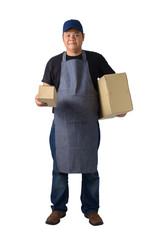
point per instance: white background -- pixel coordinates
(31, 33)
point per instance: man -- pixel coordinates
(75, 133)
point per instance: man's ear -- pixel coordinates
(83, 36)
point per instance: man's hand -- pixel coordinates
(40, 104)
(121, 115)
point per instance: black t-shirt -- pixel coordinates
(98, 67)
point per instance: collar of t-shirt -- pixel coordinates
(73, 57)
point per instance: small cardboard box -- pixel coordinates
(48, 94)
(114, 95)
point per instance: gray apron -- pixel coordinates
(76, 118)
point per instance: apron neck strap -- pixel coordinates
(64, 57)
(83, 56)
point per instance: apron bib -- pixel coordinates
(76, 118)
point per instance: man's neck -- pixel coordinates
(73, 53)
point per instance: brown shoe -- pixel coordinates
(94, 219)
(55, 217)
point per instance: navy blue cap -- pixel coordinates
(72, 24)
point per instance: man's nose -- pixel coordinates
(72, 37)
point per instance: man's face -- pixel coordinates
(73, 39)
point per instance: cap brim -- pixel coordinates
(72, 27)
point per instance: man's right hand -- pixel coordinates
(40, 104)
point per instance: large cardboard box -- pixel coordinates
(114, 95)
(48, 94)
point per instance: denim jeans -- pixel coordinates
(60, 189)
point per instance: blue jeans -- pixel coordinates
(60, 189)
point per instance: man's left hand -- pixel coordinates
(121, 115)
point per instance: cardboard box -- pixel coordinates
(48, 94)
(114, 95)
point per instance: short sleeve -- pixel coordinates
(104, 66)
(48, 75)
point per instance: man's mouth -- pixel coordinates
(74, 43)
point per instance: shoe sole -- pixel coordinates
(96, 224)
